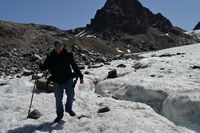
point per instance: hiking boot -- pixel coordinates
(71, 113)
(58, 119)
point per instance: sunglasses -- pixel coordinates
(58, 47)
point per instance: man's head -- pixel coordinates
(58, 46)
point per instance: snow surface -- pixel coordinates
(162, 96)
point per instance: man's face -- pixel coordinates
(58, 48)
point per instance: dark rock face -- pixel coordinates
(197, 27)
(135, 27)
(129, 17)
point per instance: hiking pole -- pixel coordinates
(33, 91)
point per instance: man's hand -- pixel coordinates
(38, 62)
(81, 81)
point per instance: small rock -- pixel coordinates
(112, 74)
(121, 65)
(35, 114)
(103, 110)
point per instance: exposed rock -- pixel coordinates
(18, 61)
(166, 55)
(135, 27)
(112, 73)
(197, 27)
(195, 67)
(140, 65)
(129, 17)
(83, 116)
(35, 114)
(103, 110)
(1, 84)
(121, 65)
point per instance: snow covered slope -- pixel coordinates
(161, 95)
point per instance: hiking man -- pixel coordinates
(60, 63)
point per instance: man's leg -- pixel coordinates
(69, 89)
(58, 92)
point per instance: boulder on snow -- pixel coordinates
(35, 114)
(42, 84)
(103, 110)
(140, 65)
(112, 73)
(121, 65)
(195, 67)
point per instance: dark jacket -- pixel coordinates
(60, 66)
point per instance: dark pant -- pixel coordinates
(58, 92)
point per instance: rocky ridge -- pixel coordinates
(22, 62)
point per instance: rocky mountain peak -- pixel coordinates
(127, 16)
(130, 27)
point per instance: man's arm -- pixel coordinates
(76, 68)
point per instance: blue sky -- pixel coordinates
(70, 14)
